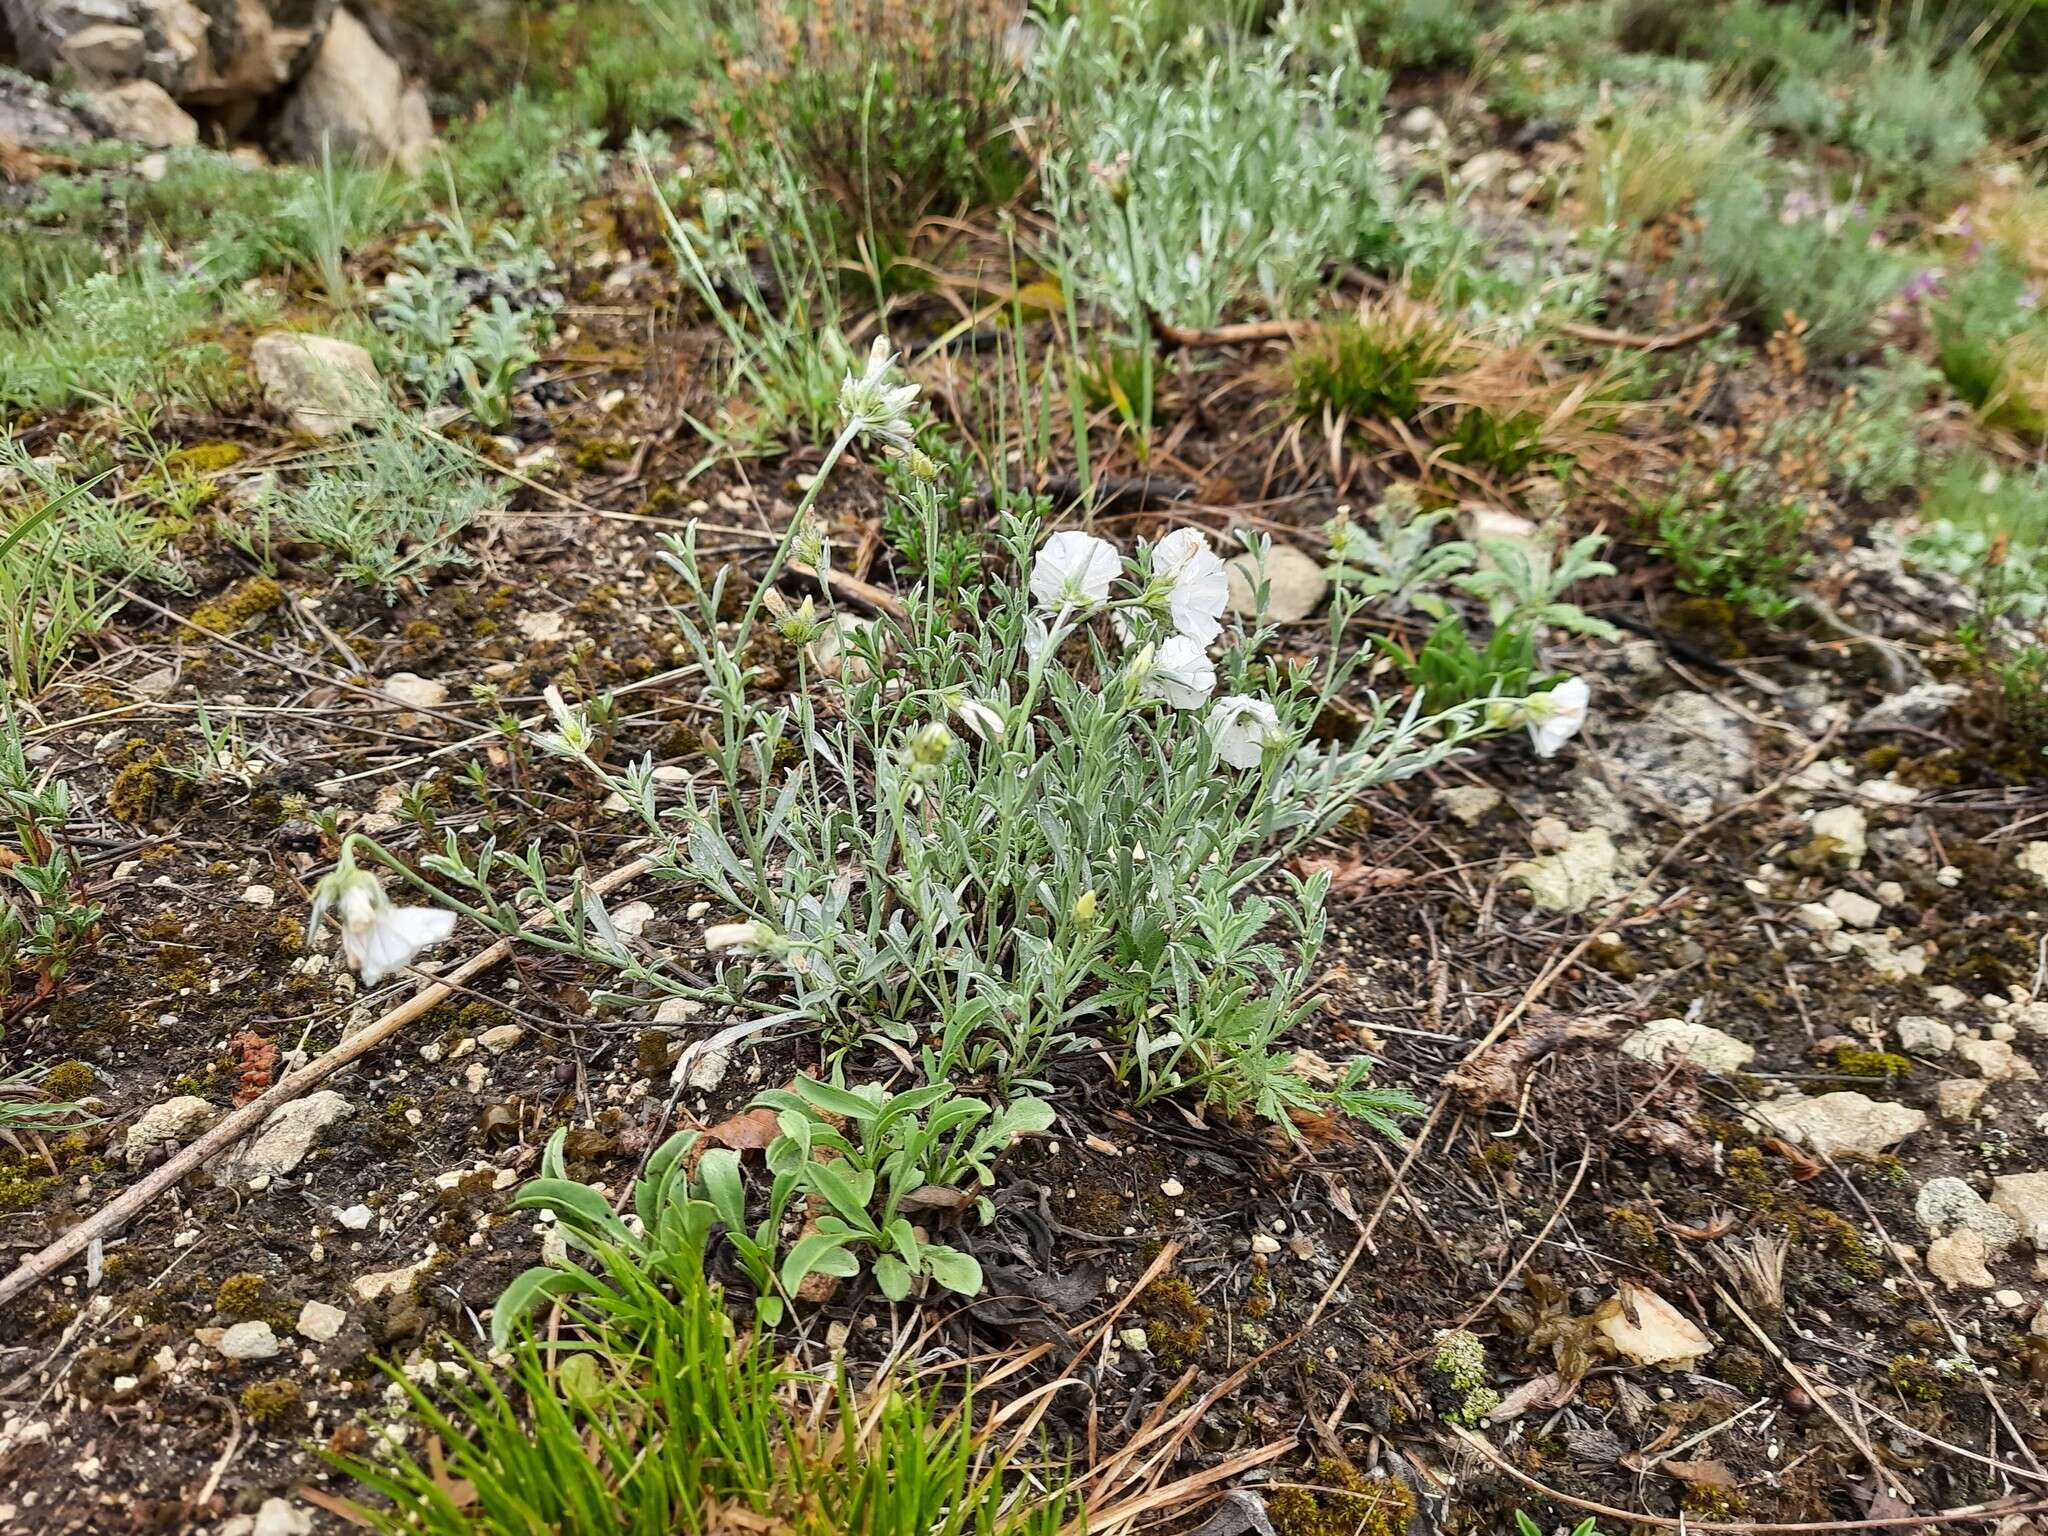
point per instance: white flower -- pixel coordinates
(982, 719)
(1244, 729)
(377, 937)
(747, 938)
(1181, 673)
(873, 407)
(1198, 587)
(1074, 570)
(1554, 718)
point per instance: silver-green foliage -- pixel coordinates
(466, 320)
(388, 505)
(1243, 183)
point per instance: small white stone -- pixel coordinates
(1261, 1243)
(320, 1321)
(259, 896)
(252, 1340)
(414, 691)
(1920, 1035)
(280, 1517)
(1173, 1189)
(1819, 918)
(500, 1038)
(1854, 908)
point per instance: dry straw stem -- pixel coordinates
(132, 1202)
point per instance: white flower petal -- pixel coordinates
(1200, 586)
(1074, 570)
(393, 938)
(1242, 728)
(1181, 674)
(1557, 716)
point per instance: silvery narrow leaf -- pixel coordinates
(608, 935)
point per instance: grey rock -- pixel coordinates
(1691, 752)
(1919, 708)
(174, 1121)
(322, 385)
(1947, 1205)
(289, 1135)
(31, 114)
(356, 99)
(1920, 1035)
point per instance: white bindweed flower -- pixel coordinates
(1181, 674)
(875, 408)
(1196, 586)
(376, 936)
(1244, 729)
(745, 938)
(1074, 570)
(1554, 718)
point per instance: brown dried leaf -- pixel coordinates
(1351, 876)
(751, 1130)
(937, 1197)
(1701, 1474)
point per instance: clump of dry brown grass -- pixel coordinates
(1402, 375)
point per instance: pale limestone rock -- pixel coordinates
(1296, 585)
(1995, 1060)
(1468, 804)
(1575, 877)
(288, 1136)
(320, 1321)
(414, 691)
(1958, 1260)
(356, 99)
(1957, 1098)
(1854, 908)
(1841, 1123)
(142, 112)
(1701, 1045)
(253, 1340)
(174, 1120)
(2024, 1197)
(1849, 828)
(322, 385)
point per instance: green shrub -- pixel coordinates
(1991, 340)
(1245, 183)
(1737, 540)
(1372, 365)
(1820, 270)
(894, 111)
